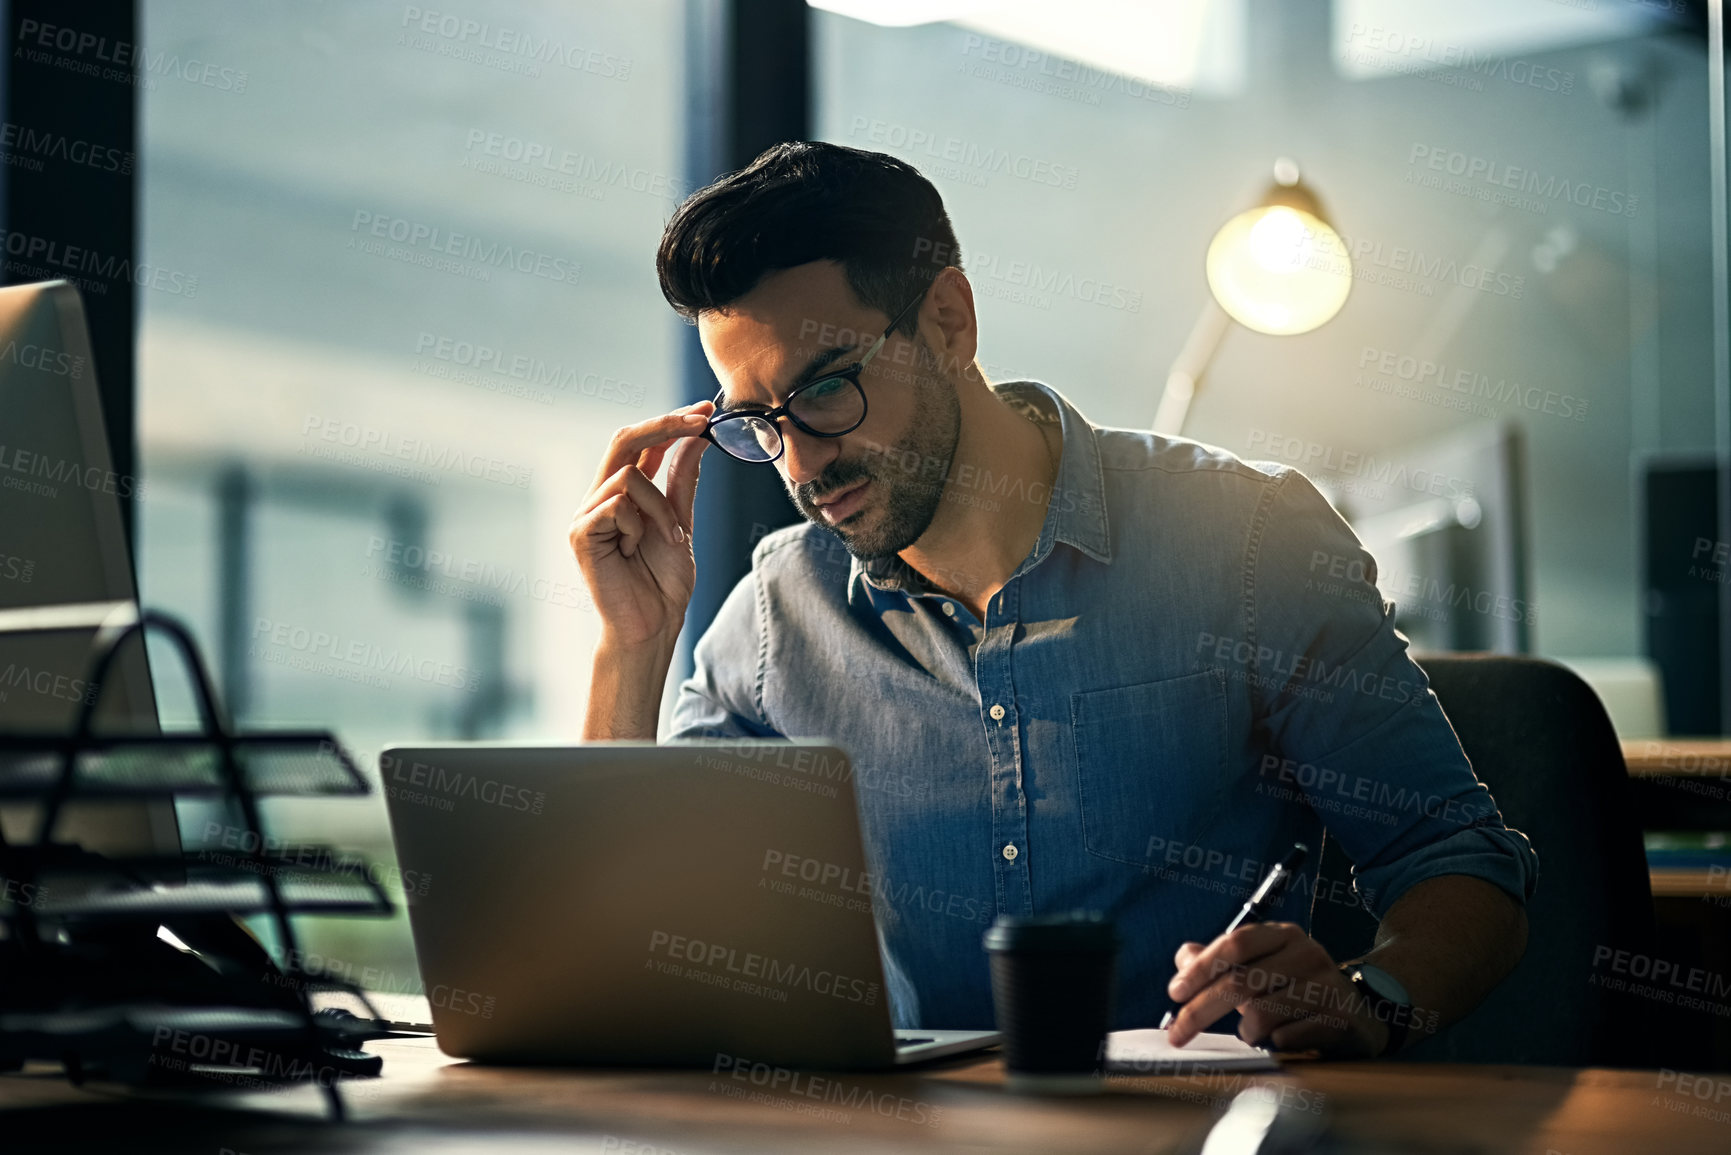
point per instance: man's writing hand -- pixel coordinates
(1289, 993)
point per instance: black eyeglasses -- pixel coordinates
(831, 406)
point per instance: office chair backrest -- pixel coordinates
(1538, 737)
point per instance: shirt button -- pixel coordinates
(950, 609)
(997, 713)
(1010, 852)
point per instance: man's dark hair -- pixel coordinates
(807, 201)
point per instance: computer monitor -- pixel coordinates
(1446, 522)
(63, 543)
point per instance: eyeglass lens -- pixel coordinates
(833, 405)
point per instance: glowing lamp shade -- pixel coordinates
(1279, 270)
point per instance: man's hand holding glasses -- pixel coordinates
(632, 541)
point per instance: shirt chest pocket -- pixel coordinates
(1151, 765)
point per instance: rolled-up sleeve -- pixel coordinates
(1352, 718)
(723, 696)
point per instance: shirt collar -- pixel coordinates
(1076, 507)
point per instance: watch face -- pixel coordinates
(1385, 985)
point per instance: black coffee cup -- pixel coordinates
(1053, 979)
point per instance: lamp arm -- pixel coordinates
(1185, 376)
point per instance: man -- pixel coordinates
(1074, 666)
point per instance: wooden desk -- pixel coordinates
(1678, 757)
(1685, 784)
(428, 1103)
(1684, 882)
(1680, 783)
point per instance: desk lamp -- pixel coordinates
(1279, 268)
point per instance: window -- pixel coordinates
(412, 295)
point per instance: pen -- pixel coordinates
(1260, 902)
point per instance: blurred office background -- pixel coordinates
(363, 433)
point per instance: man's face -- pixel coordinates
(878, 487)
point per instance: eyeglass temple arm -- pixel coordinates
(893, 325)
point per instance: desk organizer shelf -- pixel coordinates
(88, 977)
(302, 763)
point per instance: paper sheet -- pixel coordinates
(1146, 1052)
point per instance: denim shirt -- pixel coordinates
(1191, 671)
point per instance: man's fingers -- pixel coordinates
(1262, 982)
(629, 521)
(629, 442)
(682, 469)
(649, 461)
(616, 518)
(653, 505)
(650, 501)
(1287, 1002)
(1318, 1033)
(655, 454)
(1243, 945)
(1207, 1007)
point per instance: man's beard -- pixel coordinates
(907, 477)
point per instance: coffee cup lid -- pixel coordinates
(1080, 930)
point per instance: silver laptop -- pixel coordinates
(700, 904)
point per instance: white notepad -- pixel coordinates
(1146, 1052)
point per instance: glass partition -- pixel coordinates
(412, 295)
